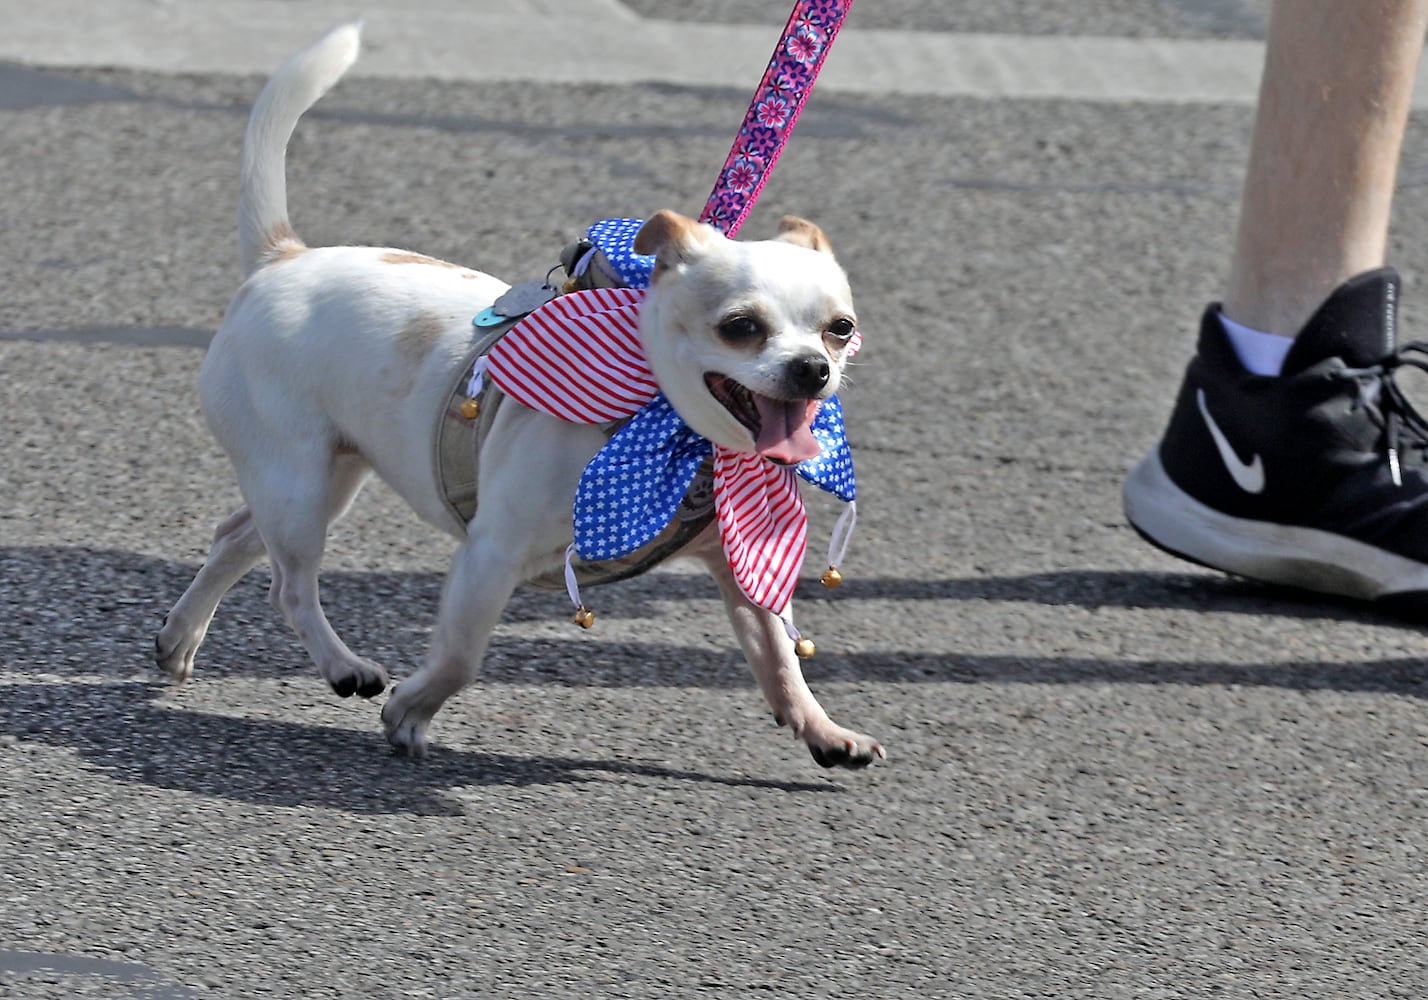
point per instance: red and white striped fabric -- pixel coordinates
(762, 524)
(580, 358)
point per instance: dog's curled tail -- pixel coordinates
(263, 199)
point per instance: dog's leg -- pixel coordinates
(292, 509)
(769, 651)
(484, 574)
(237, 547)
(530, 465)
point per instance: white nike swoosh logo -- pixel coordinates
(1248, 476)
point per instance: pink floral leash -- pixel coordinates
(777, 103)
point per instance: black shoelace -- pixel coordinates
(1380, 393)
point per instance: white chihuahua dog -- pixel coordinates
(334, 362)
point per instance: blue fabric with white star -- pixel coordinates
(616, 240)
(832, 469)
(630, 490)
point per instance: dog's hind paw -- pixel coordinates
(846, 749)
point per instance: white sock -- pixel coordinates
(1261, 353)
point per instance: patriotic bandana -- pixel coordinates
(579, 358)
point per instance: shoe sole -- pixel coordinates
(1285, 555)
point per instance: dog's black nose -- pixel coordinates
(808, 374)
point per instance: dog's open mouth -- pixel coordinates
(782, 428)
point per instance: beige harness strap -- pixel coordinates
(458, 437)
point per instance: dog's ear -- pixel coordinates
(801, 232)
(672, 238)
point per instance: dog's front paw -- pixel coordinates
(404, 726)
(844, 748)
(174, 649)
(356, 676)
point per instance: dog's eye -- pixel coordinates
(739, 329)
(842, 328)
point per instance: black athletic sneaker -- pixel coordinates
(1315, 479)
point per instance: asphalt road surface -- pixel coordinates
(1110, 775)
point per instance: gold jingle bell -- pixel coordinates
(470, 408)
(831, 578)
(584, 617)
(804, 648)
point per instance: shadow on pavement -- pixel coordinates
(120, 728)
(137, 982)
(94, 613)
(81, 621)
(25, 87)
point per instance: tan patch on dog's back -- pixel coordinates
(403, 257)
(414, 342)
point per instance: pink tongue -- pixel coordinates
(786, 429)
